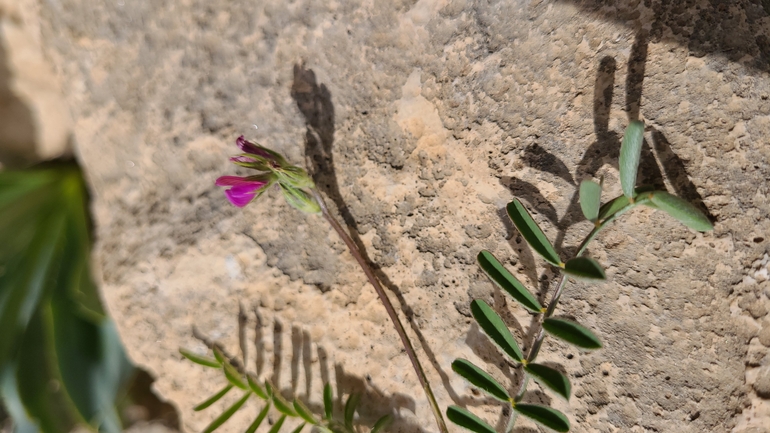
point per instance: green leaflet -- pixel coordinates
(493, 326)
(480, 379)
(506, 281)
(221, 419)
(328, 405)
(304, 412)
(465, 419)
(584, 268)
(681, 210)
(531, 232)
(214, 398)
(550, 378)
(350, 410)
(382, 424)
(233, 376)
(590, 199)
(630, 153)
(258, 420)
(572, 333)
(200, 359)
(278, 424)
(546, 416)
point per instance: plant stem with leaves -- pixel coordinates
(578, 267)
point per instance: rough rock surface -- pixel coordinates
(421, 120)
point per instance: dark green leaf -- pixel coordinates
(221, 419)
(93, 366)
(304, 412)
(258, 421)
(38, 384)
(493, 326)
(546, 416)
(278, 424)
(584, 268)
(200, 359)
(681, 210)
(550, 378)
(258, 390)
(531, 232)
(214, 398)
(29, 278)
(382, 424)
(299, 428)
(282, 405)
(328, 399)
(630, 153)
(572, 333)
(590, 199)
(500, 276)
(480, 379)
(465, 419)
(233, 376)
(350, 410)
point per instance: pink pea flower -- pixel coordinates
(243, 189)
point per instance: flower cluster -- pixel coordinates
(273, 169)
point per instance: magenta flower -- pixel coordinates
(242, 189)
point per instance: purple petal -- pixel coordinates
(248, 147)
(239, 199)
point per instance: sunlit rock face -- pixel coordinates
(420, 121)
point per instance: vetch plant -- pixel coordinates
(578, 267)
(299, 191)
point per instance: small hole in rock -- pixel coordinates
(758, 239)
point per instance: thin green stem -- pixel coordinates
(535, 348)
(388, 307)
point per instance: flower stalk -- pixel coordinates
(388, 307)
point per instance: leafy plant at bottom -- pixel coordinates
(578, 267)
(250, 386)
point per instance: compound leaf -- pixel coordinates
(500, 276)
(550, 378)
(590, 199)
(493, 326)
(531, 232)
(630, 153)
(546, 416)
(584, 268)
(681, 210)
(465, 419)
(480, 379)
(572, 333)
